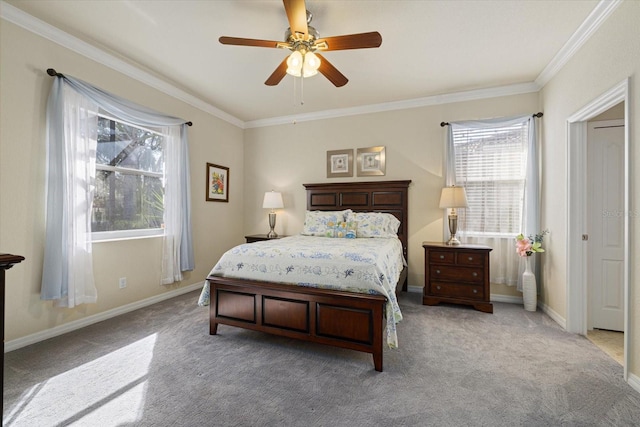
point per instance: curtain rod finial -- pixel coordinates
(53, 73)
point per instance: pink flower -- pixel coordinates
(523, 246)
(528, 246)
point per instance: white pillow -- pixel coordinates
(375, 224)
(322, 223)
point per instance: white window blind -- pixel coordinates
(491, 164)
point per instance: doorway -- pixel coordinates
(605, 225)
(578, 315)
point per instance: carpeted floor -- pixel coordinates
(158, 366)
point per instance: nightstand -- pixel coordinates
(260, 237)
(457, 274)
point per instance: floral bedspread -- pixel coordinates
(364, 265)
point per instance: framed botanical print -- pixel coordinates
(339, 163)
(217, 183)
(371, 161)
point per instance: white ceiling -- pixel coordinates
(429, 48)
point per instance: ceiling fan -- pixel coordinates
(304, 42)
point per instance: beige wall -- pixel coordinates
(609, 56)
(24, 87)
(287, 156)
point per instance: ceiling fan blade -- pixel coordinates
(351, 41)
(331, 72)
(237, 41)
(278, 74)
(297, 15)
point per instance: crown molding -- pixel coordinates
(471, 95)
(584, 32)
(30, 23)
(18, 17)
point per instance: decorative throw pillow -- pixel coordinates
(322, 223)
(352, 227)
(340, 229)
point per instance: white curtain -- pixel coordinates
(71, 153)
(531, 218)
(177, 185)
(67, 270)
(506, 265)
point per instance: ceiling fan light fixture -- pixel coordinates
(301, 64)
(303, 40)
(294, 63)
(311, 64)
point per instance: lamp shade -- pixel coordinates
(272, 200)
(453, 197)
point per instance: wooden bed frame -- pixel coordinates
(335, 318)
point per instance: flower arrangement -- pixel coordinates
(526, 246)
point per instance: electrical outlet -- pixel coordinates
(122, 282)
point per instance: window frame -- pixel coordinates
(521, 181)
(140, 233)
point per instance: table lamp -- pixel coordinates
(451, 198)
(272, 200)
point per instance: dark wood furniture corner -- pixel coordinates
(457, 274)
(6, 262)
(260, 237)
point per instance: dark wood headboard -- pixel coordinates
(378, 196)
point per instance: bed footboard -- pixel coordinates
(339, 319)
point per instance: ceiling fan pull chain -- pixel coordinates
(295, 90)
(301, 90)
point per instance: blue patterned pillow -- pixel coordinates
(322, 223)
(375, 224)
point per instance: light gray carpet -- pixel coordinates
(158, 366)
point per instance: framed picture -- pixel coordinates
(339, 163)
(217, 183)
(371, 161)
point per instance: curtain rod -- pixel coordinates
(538, 115)
(54, 73)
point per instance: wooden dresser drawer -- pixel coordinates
(455, 290)
(454, 273)
(469, 258)
(440, 257)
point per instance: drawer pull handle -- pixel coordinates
(438, 287)
(470, 258)
(475, 291)
(437, 271)
(441, 256)
(474, 274)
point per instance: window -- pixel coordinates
(115, 166)
(129, 191)
(491, 164)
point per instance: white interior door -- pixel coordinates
(605, 201)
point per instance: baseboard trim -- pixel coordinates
(90, 320)
(634, 382)
(415, 289)
(506, 298)
(552, 314)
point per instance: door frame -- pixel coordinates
(577, 303)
